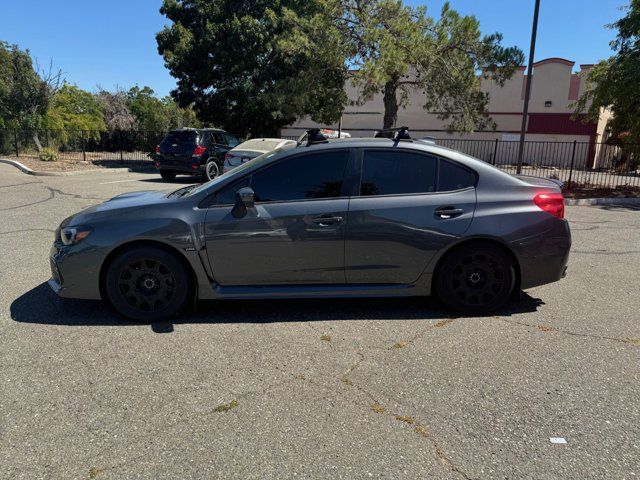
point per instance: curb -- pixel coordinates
(24, 169)
(602, 201)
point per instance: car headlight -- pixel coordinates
(73, 235)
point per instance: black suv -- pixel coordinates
(193, 151)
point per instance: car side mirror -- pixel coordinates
(245, 199)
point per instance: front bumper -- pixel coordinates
(75, 273)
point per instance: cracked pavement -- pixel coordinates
(316, 389)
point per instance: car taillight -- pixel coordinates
(158, 149)
(199, 150)
(552, 203)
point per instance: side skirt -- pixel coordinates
(316, 291)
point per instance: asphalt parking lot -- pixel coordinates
(316, 389)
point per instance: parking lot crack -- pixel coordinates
(551, 329)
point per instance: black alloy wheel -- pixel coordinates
(211, 170)
(147, 284)
(477, 278)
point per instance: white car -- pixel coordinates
(253, 148)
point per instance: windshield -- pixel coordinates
(256, 162)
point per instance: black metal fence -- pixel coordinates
(121, 146)
(587, 165)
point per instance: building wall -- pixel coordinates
(554, 88)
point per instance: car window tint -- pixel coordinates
(316, 175)
(227, 195)
(218, 138)
(394, 172)
(187, 136)
(454, 177)
(231, 140)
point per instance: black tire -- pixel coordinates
(211, 169)
(147, 284)
(167, 176)
(476, 278)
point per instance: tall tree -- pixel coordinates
(147, 109)
(397, 50)
(25, 91)
(255, 66)
(615, 83)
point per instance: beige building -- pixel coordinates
(555, 87)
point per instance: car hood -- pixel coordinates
(122, 202)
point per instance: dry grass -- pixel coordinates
(225, 407)
(377, 408)
(326, 338)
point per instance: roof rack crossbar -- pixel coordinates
(396, 134)
(312, 136)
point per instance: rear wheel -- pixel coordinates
(475, 278)
(147, 284)
(211, 170)
(167, 176)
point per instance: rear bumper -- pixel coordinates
(179, 168)
(544, 258)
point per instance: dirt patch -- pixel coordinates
(75, 162)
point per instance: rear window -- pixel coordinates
(181, 137)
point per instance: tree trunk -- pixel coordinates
(390, 103)
(36, 140)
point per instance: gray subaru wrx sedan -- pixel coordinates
(342, 218)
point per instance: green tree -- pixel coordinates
(254, 67)
(179, 117)
(615, 83)
(397, 49)
(25, 93)
(148, 109)
(73, 109)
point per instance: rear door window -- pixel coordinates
(397, 172)
(218, 138)
(453, 176)
(230, 140)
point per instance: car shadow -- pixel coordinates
(186, 180)
(41, 306)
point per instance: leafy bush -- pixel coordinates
(48, 155)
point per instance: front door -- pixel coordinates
(410, 206)
(295, 233)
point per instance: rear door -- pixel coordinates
(411, 205)
(294, 235)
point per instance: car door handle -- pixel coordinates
(448, 212)
(325, 221)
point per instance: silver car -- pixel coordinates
(344, 218)
(253, 148)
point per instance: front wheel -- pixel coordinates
(211, 170)
(147, 284)
(475, 279)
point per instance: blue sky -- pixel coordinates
(113, 44)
